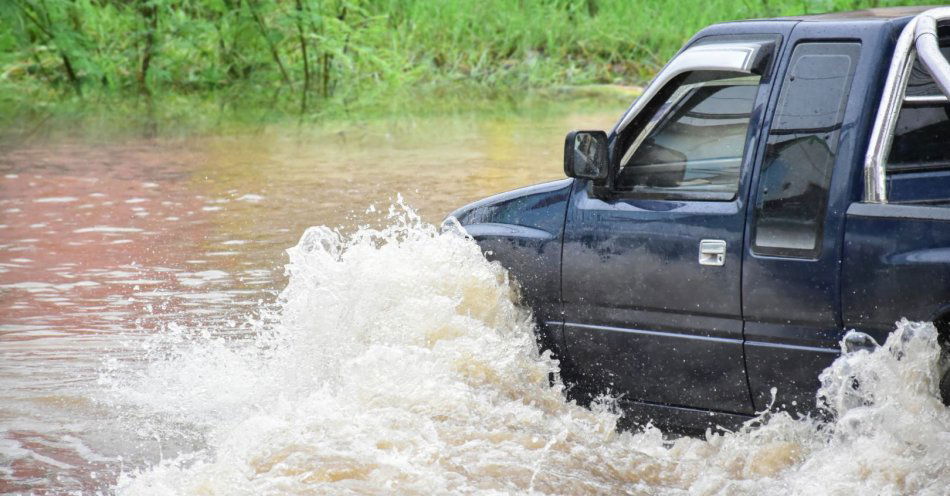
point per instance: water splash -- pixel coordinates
(399, 362)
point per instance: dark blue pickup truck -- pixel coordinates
(779, 183)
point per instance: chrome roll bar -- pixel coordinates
(918, 39)
(928, 47)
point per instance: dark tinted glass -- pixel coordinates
(799, 158)
(923, 129)
(921, 139)
(693, 146)
(920, 82)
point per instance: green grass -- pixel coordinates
(320, 57)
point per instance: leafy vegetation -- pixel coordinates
(314, 56)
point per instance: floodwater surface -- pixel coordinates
(157, 336)
(106, 242)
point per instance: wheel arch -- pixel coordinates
(941, 321)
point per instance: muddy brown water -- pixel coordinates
(158, 337)
(102, 241)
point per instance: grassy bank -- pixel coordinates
(322, 56)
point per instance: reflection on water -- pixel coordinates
(104, 243)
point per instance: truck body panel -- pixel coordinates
(716, 269)
(792, 328)
(896, 265)
(523, 231)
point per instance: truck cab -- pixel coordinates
(779, 183)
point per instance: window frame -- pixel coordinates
(649, 119)
(755, 190)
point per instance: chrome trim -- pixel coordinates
(926, 99)
(919, 36)
(712, 252)
(732, 57)
(875, 182)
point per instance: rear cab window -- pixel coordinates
(918, 165)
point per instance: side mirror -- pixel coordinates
(585, 155)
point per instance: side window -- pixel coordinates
(923, 125)
(792, 193)
(693, 145)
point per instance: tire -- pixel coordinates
(945, 388)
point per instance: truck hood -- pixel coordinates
(540, 206)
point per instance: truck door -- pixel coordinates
(652, 262)
(790, 268)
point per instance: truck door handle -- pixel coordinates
(712, 252)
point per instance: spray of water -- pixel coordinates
(398, 362)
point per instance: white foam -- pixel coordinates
(399, 363)
(56, 199)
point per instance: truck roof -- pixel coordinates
(884, 13)
(890, 19)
